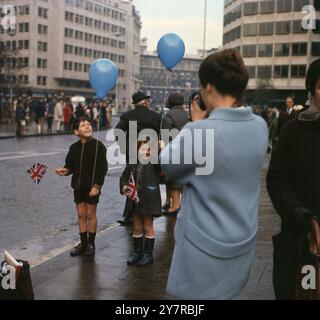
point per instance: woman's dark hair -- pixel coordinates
(76, 122)
(313, 75)
(197, 95)
(226, 71)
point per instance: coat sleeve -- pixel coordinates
(101, 166)
(177, 159)
(69, 163)
(168, 122)
(280, 177)
(123, 124)
(124, 178)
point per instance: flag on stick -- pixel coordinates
(37, 172)
(132, 192)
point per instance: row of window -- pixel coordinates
(14, 45)
(280, 71)
(88, 37)
(271, 6)
(25, 11)
(89, 22)
(98, 9)
(24, 28)
(282, 6)
(12, 63)
(86, 52)
(278, 50)
(82, 67)
(22, 79)
(267, 29)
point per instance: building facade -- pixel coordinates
(275, 43)
(55, 42)
(155, 79)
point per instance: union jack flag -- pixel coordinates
(132, 191)
(37, 172)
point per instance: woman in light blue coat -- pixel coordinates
(221, 158)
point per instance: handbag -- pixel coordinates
(24, 289)
(309, 256)
(284, 265)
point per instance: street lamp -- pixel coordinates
(205, 29)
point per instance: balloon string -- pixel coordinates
(97, 146)
(165, 99)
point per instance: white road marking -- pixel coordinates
(57, 252)
(31, 155)
(115, 168)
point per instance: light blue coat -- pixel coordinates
(217, 226)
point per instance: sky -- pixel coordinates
(184, 17)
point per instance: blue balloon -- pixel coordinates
(103, 76)
(171, 50)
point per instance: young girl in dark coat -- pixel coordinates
(147, 179)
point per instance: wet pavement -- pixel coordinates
(39, 222)
(107, 277)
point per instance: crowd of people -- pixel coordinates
(218, 213)
(58, 112)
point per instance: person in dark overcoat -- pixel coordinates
(293, 184)
(176, 118)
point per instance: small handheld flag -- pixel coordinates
(37, 172)
(132, 192)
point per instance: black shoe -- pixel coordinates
(90, 250)
(78, 250)
(148, 253)
(138, 252)
(126, 223)
(146, 260)
(135, 258)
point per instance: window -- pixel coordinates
(267, 7)
(300, 49)
(281, 71)
(42, 12)
(42, 29)
(69, 16)
(42, 63)
(283, 27)
(251, 71)
(233, 15)
(297, 27)
(284, 5)
(317, 29)
(264, 72)
(265, 50)
(299, 4)
(232, 35)
(282, 49)
(24, 10)
(315, 49)
(298, 71)
(250, 8)
(249, 51)
(23, 27)
(250, 29)
(266, 29)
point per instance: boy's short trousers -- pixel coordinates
(82, 196)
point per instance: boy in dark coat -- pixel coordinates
(147, 179)
(86, 162)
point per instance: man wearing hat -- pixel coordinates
(176, 118)
(145, 119)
